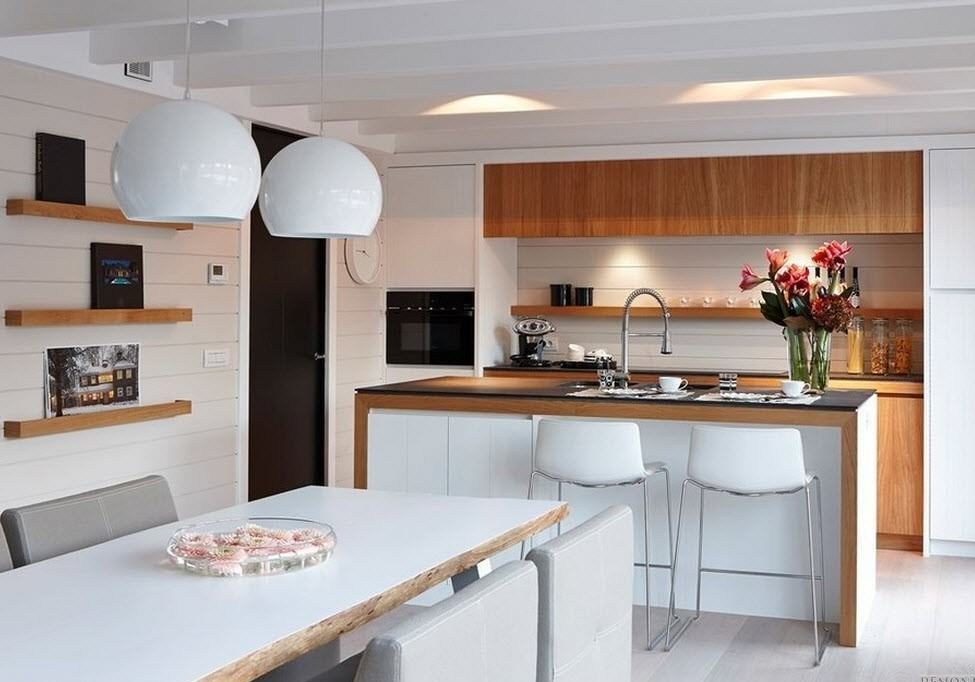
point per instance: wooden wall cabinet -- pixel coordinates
(855, 193)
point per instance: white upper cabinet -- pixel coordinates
(952, 218)
(430, 227)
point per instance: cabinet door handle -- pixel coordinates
(319, 356)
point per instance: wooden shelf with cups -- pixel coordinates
(702, 313)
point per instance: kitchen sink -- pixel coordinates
(580, 384)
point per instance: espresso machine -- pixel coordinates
(531, 333)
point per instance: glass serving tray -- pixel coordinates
(261, 545)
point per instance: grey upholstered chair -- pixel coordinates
(487, 632)
(47, 529)
(585, 597)
(5, 563)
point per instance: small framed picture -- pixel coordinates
(80, 379)
(116, 276)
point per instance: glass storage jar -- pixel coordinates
(879, 347)
(854, 346)
(903, 347)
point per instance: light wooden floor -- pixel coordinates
(922, 623)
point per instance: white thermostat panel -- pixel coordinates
(216, 273)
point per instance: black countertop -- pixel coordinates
(551, 388)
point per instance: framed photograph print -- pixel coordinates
(116, 276)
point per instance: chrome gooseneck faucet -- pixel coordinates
(623, 374)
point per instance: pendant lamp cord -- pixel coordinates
(321, 82)
(186, 53)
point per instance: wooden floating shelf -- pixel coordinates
(87, 316)
(95, 214)
(715, 313)
(94, 420)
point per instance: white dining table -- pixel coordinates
(120, 611)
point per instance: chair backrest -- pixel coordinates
(5, 563)
(746, 460)
(585, 597)
(589, 452)
(47, 529)
(486, 632)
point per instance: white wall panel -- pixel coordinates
(44, 263)
(891, 275)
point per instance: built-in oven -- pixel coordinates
(430, 328)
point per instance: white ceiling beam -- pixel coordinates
(440, 88)
(766, 37)
(766, 109)
(849, 125)
(30, 17)
(454, 21)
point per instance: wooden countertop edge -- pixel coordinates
(284, 650)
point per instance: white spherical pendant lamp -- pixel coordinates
(185, 161)
(320, 187)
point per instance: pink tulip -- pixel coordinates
(776, 260)
(750, 279)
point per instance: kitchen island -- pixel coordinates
(475, 436)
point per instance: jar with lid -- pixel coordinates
(903, 347)
(879, 347)
(854, 346)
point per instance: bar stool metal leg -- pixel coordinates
(820, 647)
(672, 633)
(651, 640)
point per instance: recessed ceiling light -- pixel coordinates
(488, 104)
(786, 88)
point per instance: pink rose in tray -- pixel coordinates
(235, 548)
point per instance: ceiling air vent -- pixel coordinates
(140, 70)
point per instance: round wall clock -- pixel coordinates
(363, 256)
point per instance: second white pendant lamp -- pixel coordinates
(320, 187)
(185, 161)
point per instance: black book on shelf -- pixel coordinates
(60, 169)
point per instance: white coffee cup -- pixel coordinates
(672, 384)
(576, 352)
(794, 389)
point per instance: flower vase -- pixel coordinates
(809, 356)
(800, 352)
(819, 361)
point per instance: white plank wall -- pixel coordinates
(44, 263)
(890, 276)
(360, 350)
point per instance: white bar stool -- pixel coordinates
(602, 454)
(750, 463)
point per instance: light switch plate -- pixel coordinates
(216, 358)
(216, 273)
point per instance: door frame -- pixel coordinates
(243, 355)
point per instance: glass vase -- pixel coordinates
(800, 352)
(821, 348)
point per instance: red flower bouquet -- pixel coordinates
(807, 308)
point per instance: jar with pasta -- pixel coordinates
(879, 347)
(854, 346)
(903, 347)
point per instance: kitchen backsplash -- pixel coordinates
(692, 268)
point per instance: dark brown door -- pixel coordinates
(287, 328)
